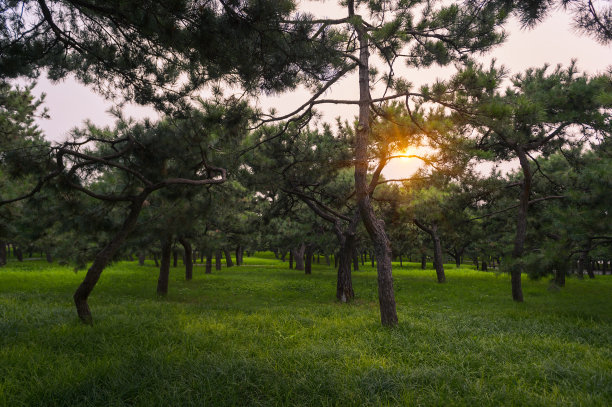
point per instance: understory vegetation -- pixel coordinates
(262, 334)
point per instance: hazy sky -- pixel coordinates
(552, 42)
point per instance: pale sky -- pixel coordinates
(553, 42)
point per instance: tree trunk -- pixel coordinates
(438, 255)
(48, 256)
(164, 269)
(209, 256)
(516, 270)
(228, 258)
(141, 259)
(590, 268)
(344, 285)
(155, 259)
(336, 260)
(218, 257)
(374, 226)
(238, 255)
(309, 255)
(355, 260)
(400, 259)
(298, 256)
(372, 259)
(18, 253)
(560, 276)
(103, 257)
(485, 266)
(327, 262)
(188, 258)
(290, 259)
(3, 254)
(423, 261)
(174, 258)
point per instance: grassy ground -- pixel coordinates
(265, 335)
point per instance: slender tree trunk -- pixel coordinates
(101, 260)
(141, 258)
(438, 262)
(275, 251)
(355, 260)
(374, 227)
(423, 261)
(155, 260)
(48, 256)
(516, 270)
(188, 258)
(485, 266)
(228, 257)
(327, 262)
(174, 258)
(209, 256)
(290, 259)
(336, 259)
(164, 269)
(372, 259)
(308, 265)
(218, 256)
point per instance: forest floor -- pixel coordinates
(266, 335)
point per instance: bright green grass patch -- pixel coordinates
(264, 335)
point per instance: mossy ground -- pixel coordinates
(262, 334)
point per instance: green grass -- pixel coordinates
(266, 335)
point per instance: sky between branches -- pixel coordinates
(553, 41)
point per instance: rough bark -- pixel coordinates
(164, 269)
(374, 226)
(355, 260)
(101, 260)
(188, 258)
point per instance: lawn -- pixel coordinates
(262, 334)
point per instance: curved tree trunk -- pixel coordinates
(433, 233)
(164, 269)
(188, 258)
(101, 260)
(375, 227)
